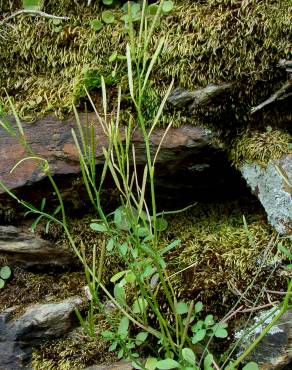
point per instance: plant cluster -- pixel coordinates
(135, 9)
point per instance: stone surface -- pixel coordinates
(275, 350)
(273, 187)
(39, 323)
(191, 163)
(30, 251)
(181, 98)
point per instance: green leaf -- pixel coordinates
(189, 356)
(120, 294)
(130, 277)
(208, 360)
(118, 275)
(96, 24)
(109, 335)
(123, 248)
(5, 272)
(170, 246)
(151, 363)
(142, 232)
(251, 366)
(167, 364)
(2, 283)
(107, 2)
(161, 224)
(197, 326)
(220, 331)
(139, 305)
(149, 270)
(152, 9)
(120, 354)
(209, 320)
(30, 4)
(285, 251)
(108, 16)
(141, 337)
(199, 336)
(198, 307)
(98, 227)
(123, 327)
(181, 308)
(110, 245)
(113, 346)
(167, 6)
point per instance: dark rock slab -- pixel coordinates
(181, 98)
(273, 187)
(30, 251)
(38, 324)
(191, 162)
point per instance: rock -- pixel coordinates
(181, 98)
(38, 324)
(275, 350)
(30, 251)
(273, 187)
(190, 160)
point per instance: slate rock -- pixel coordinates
(273, 187)
(29, 251)
(191, 162)
(182, 98)
(38, 324)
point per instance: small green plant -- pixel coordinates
(5, 273)
(133, 10)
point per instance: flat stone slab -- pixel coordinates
(191, 162)
(51, 139)
(27, 250)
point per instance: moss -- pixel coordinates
(26, 288)
(216, 262)
(76, 351)
(260, 147)
(213, 41)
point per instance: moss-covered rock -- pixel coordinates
(44, 64)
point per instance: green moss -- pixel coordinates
(260, 147)
(213, 41)
(216, 261)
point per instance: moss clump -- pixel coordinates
(260, 147)
(26, 288)
(212, 41)
(73, 352)
(217, 261)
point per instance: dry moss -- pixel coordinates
(213, 41)
(260, 147)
